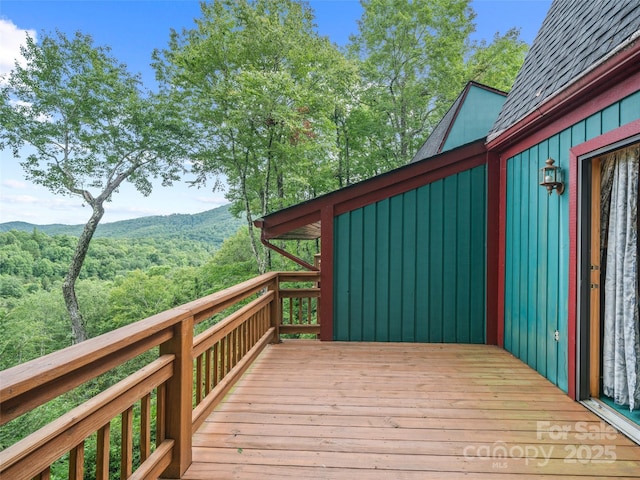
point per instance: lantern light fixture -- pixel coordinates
(551, 177)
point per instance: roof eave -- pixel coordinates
(284, 223)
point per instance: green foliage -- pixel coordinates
(230, 265)
(89, 122)
(122, 281)
(11, 287)
(271, 78)
(284, 116)
(415, 59)
(150, 276)
(497, 63)
(45, 260)
(35, 325)
(140, 295)
(90, 127)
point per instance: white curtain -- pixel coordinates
(621, 349)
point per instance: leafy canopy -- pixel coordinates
(416, 56)
(86, 121)
(89, 127)
(257, 83)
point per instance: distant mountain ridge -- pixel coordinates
(212, 227)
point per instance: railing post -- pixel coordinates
(274, 311)
(178, 397)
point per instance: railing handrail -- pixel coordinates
(220, 329)
(83, 418)
(44, 372)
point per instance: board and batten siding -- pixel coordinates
(411, 268)
(537, 245)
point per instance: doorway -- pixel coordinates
(610, 357)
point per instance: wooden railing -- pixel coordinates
(173, 393)
(299, 308)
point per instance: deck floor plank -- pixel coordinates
(403, 411)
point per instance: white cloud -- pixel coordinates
(11, 38)
(20, 199)
(218, 201)
(16, 184)
(43, 202)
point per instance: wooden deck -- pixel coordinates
(311, 410)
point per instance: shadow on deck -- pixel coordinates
(412, 411)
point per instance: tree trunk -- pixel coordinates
(255, 246)
(252, 234)
(69, 284)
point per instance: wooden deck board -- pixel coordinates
(403, 411)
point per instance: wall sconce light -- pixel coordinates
(551, 177)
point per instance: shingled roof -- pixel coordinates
(469, 118)
(575, 37)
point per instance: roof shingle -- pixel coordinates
(575, 36)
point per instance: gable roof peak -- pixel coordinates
(469, 118)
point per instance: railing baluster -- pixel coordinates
(232, 352)
(76, 462)
(247, 343)
(234, 347)
(291, 322)
(126, 447)
(252, 330)
(44, 475)
(238, 344)
(103, 444)
(161, 413)
(223, 353)
(243, 339)
(198, 385)
(208, 380)
(216, 363)
(145, 427)
(227, 359)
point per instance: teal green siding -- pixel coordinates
(475, 118)
(537, 245)
(411, 268)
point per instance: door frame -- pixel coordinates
(580, 276)
(594, 268)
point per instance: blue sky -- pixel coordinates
(133, 29)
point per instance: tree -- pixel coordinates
(256, 80)
(416, 58)
(35, 326)
(89, 127)
(497, 63)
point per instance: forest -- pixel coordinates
(123, 279)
